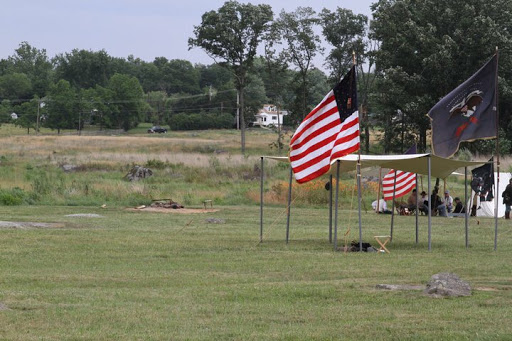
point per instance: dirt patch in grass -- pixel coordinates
(171, 210)
(29, 225)
(3, 307)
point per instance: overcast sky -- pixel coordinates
(143, 28)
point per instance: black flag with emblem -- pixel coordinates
(467, 113)
(483, 181)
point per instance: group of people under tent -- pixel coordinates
(445, 207)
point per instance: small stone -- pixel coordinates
(214, 221)
(68, 168)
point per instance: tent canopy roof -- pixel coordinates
(415, 163)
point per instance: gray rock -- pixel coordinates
(395, 287)
(214, 221)
(68, 168)
(28, 225)
(84, 215)
(447, 285)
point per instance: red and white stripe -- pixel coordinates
(321, 138)
(405, 182)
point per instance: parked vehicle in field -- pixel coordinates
(157, 129)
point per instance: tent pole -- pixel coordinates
(378, 192)
(466, 227)
(359, 203)
(430, 205)
(417, 209)
(261, 202)
(336, 208)
(496, 200)
(289, 205)
(497, 185)
(393, 210)
(330, 208)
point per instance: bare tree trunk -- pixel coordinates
(242, 120)
(304, 111)
(366, 125)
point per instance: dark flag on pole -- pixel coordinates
(483, 181)
(467, 113)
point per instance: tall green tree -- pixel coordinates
(99, 103)
(231, 35)
(84, 69)
(300, 44)
(35, 64)
(429, 47)
(15, 86)
(27, 115)
(62, 107)
(158, 112)
(128, 100)
(347, 32)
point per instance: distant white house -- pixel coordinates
(269, 115)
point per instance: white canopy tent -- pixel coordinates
(486, 208)
(426, 164)
(414, 163)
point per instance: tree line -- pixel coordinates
(408, 56)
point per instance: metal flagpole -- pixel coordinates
(497, 186)
(393, 210)
(358, 169)
(466, 227)
(429, 206)
(336, 208)
(417, 208)
(261, 202)
(330, 208)
(359, 202)
(289, 206)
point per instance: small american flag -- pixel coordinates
(328, 132)
(405, 181)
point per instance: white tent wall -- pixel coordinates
(486, 208)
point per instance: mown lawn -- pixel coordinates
(142, 276)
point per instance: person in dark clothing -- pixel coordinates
(507, 199)
(437, 205)
(459, 207)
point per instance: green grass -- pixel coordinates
(150, 276)
(142, 275)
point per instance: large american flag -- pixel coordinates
(328, 132)
(405, 181)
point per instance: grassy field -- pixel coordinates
(139, 275)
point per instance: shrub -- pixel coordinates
(12, 197)
(184, 121)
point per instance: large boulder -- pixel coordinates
(447, 285)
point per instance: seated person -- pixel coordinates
(412, 201)
(423, 207)
(381, 206)
(448, 201)
(459, 207)
(437, 204)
